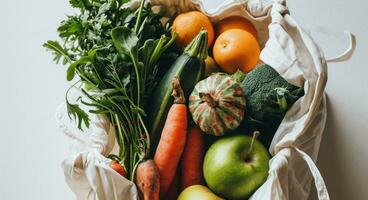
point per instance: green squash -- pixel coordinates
(189, 68)
(217, 104)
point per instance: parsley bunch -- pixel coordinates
(113, 53)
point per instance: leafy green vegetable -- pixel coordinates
(80, 3)
(269, 97)
(115, 52)
(58, 51)
(75, 111)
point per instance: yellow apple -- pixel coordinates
(198, 192)
(211, 66)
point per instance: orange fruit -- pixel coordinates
(236, 23)
(188, 25)
(236, 49)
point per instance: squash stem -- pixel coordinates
(198, 47)
(209, 99)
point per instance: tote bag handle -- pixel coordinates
(259, 8)
(347, 53)
(318, 180)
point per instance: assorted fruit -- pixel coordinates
(188, 98)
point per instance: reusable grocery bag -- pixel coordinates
(294, 148)
(87, 170)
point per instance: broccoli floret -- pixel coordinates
(269, 97)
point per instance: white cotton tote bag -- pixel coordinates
(290, 51)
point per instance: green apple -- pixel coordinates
(235, 166)
(198, 192)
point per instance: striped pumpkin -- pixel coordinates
(217, 104)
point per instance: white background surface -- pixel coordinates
(31, 85)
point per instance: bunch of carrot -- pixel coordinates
(178, 160)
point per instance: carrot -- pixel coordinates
(148, 180)
(192, 159)
(174, 189)
(118, 168)
(172, 139)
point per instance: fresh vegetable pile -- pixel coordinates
(187, 99)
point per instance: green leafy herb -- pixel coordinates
(58, 51)
(115, 53)
(75, 111)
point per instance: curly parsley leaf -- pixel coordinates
(71, 26)
(82, 4)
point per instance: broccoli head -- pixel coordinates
(269, 96)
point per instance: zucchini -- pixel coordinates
(189, 68)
